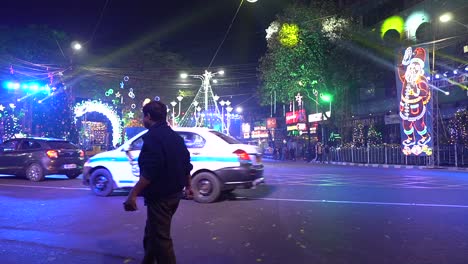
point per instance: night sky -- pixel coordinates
(193, 28)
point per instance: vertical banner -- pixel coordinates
(415, 101)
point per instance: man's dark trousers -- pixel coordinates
(157, 241)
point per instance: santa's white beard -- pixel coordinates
(412, 77)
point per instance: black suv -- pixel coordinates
(34, 158)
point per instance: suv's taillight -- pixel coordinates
(53, 154)
(81, 153)
(243, 156)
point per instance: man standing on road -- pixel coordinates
(164, 171)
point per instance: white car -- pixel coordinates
(220, 164)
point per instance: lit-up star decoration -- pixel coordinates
(299, 98)
(122, 85)
(13, 106)
(131, 115)
(2, 107)
(289, 35)
(117, 94)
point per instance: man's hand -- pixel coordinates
(188, 193)
(130, 205)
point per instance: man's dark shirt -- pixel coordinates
(165, 161)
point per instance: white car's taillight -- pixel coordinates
(243, 156)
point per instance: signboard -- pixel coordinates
(302, 126)
(414, 101)
(318, 117)
(295, 117)
(245, 128)
(259, 134)
(271, 122)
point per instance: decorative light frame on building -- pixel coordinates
(97, 106)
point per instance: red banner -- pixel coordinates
(296, 117)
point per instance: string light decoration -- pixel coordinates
(97, 106)
(459, 127)
(374, 137)
(358, 135)
(9, 123)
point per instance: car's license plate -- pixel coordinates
(69, 166)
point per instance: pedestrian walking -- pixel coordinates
(326, 151)
(319, 150)
(165, 168)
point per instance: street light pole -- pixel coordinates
(173, 103)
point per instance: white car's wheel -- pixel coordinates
(101, 182)
(206, 187)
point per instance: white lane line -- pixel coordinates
(45, 187)
(360, 202)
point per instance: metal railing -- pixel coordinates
(449, 155)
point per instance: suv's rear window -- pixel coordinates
(61, 145)
(228, 139)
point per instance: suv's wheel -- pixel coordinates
(34, 172)
(101, 182)
(73, 175)
(206, 187)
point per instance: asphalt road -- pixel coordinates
(306, 213)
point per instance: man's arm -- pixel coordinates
(130, 203)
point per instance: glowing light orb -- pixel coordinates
(414, 21)
(394, 22)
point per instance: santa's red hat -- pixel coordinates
(419, 55)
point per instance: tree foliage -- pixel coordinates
(332, 56)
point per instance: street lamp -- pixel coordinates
(179, 98)
(229, 110)
(327, 98)
(173, 103)
(449, 17)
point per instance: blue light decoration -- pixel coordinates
(414, 102)
(28, 87)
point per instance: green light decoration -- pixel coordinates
(394, 22)
(414, 21)
(289, 35)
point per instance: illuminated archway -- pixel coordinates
(96, 106)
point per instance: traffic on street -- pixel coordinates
(304, 213)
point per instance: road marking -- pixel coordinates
(45, 187)
(360, 202)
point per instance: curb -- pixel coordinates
(385, 166)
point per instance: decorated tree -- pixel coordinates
(374, 137)
(313, 50)
(459, 128)
(9, 122)
(358, 135)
